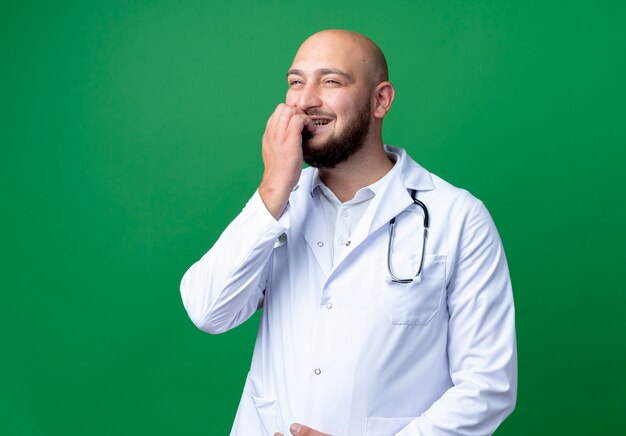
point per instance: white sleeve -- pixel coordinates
(481, 339)
(225, 287)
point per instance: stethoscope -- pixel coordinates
(392, 226)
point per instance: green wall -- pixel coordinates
(130, 136)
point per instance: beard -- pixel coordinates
(339, 147)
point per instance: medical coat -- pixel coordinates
(340, 347)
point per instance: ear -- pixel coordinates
(383, 98)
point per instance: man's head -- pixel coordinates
(339, 78)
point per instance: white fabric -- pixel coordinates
(342, 218)
(342, 349)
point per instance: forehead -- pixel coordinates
(331, 52)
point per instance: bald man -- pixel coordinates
(385, 294)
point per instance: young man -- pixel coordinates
(387, 304)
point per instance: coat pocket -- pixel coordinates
(385, 426)
(416, 303)
(266, 410)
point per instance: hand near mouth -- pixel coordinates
(310, 125)
(282, 156)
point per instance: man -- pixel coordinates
(387, 304)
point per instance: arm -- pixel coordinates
(481, 339)
(226, 286)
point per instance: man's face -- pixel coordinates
(328, 83)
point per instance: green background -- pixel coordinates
(130, 136)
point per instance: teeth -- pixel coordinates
(321, 122)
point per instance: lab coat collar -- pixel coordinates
(393, 197)
(412, 174)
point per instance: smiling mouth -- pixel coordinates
(321, 122)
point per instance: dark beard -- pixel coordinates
(338, 148)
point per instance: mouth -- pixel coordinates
(318, 121)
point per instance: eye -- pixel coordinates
(331, 82)
(295, 82)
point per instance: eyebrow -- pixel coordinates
(322, 72)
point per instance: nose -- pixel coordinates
(308, 97)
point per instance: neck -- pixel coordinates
(365, 167)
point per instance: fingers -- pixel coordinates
(297, 124)
(279, 120)
(287, 122)
(284, 115)
(302, 430)
(282, 156)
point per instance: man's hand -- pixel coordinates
(302, 430)
(282, 156)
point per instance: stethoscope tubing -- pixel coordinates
(392, 227)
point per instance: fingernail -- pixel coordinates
(295, 428)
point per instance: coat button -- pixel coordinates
(318, 371)
(320, 244)
(329, 305)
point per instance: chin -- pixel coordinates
(316, 142)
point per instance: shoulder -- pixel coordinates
(458, 218)
(433, 188)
